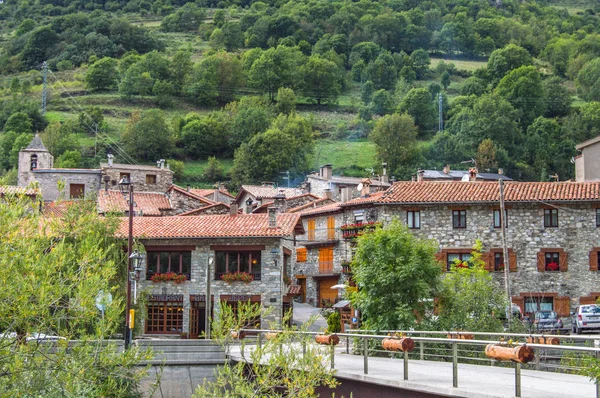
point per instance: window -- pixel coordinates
(598, 217)
(331, 228)
(551, 261)
(498, 218)
(161, 262)
(413, 219)
(125, 175)
(359, 216)
(33, 162)
(150, 178)
(238, 261)
(326, 260)
(498, 262)
(301, 254)
(76, 191)
(459, 218)
(535, 304)
(311, 229)
(551, 218)
(164, 317)
(464, 258)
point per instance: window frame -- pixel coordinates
(254, 269)
(331, 227)
(551, 257)
(311, 228)
(497, 218)
(499, 257)
(151, 179)
(33, 162)
(598, 217)
(413, 219)
(158, 321)
(460, 257)
(459, 219)
(158, 253)
(550, 218)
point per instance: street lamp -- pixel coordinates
(134, 276)
(126, 187)
(208, 303)
(275, 256)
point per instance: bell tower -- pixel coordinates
(35, 156)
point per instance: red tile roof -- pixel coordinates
(202, 210)
(260, 191)
(328, 208)
(372, 198)
(56, 209)
(210, 226)
(208, 192)
(14, 190)
(149, 203)
(489, 192)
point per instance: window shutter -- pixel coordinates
(594, 260)
(301, 254)
(563, 264)
(520, 301)
(562, 306)
(587, 300)
(540, 262)
(512, 258)
(441, 257)
(489, 261)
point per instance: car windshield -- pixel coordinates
(590, 309)
(546, 315)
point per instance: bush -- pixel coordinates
(334, 322)
(177, 168)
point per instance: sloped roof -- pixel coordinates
(208, 192)
(203, 210)
(36, 144)
(311, 205)
(364, 200)
(458, 174)
(149, 203)
(261, 191)
(587, 143)
(210, 226)
(329, 208)
(190, 194)
(14, 190)
(489, 192)
(56, 209)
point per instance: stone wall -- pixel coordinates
(48, 180)
(25, 175)
(140, 176)
(269, 287)
(182, 203)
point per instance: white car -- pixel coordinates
(586, 317)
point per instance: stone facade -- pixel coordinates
(63, 183)
(30, 159)
(587, 164)
(144, 178)
(342, 188)
(269, 287)
(182, 201)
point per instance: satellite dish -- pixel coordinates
(465, 178)
(359, 186)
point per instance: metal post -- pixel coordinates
(303, 348)
(422, 350)
(517, 379)
(128, 336)
(454, 364)
(366, 355)
(347, 344)
(405, 365)
(332, 356)
(208, 302)
(505, 255)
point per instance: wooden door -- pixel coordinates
(302, 283)
(326, 293)
(197, 318)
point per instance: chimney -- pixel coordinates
(272, 216)
(447, 169)
(473, 174)
(366, 187)
(326, 171)
(420, 175)
(280, 202)
(328, 194)
(110, 157)
(162, 163)
(501, 171)
(346, 194)
(268, 184)
(233, 209)
(106, 179)
(248, 206)
(384, 176)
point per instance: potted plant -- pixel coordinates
(552, 266)
(346, 267)
(231, 277)
(168, 276)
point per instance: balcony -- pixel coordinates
(325, 267)
(255, 276)
(351, 231)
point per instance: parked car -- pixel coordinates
(546, 321)
(586, 317)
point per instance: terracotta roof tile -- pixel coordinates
(311, 205)
(56, 209)
(149, 203)
(372, 198)
(260, 191)
(329, 208)
(210, 226)
(14, 190)
(489, 192)
(208, 192)
(201, 210)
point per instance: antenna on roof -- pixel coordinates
(469, 161)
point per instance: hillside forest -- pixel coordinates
(245, 91)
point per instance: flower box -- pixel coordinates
(168, 277)
(350, 231)
(346, 268)
(231, 277)
(552, 266)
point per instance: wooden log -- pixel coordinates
(544, 340)
(241, 334)
(271, 335)
(552, 340)
(461, 336)
(521, 354)
(328, 339)
(404, 344)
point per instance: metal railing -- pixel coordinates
(360, 342)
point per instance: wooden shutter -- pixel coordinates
(301, 254)
(311, 229)
(562, 305)
(441, 257)
(563, 264)
(331, 228)
(512, 259)
(587, 300)
(540, 262)
(594, 259)
(520, 301)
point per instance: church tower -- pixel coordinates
(35, 156)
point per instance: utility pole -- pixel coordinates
(505, 254)
(440, 111)
(45, 76)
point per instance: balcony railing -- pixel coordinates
(325, 267)
(255, 276)
(351, 231)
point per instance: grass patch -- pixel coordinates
(460, 63)
(347, 157)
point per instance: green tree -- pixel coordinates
(216, 78)
(101, 75)
(164, 92)
(219, 18)
(506, 59)
(213, 171)
(445, 79)
(186, 18)
(206, 136)
(418, 104)
(19, 123)
(366, 92)
(522, 87)
(558, 98)
(177, 167)
(69, 160)
(217, 40)
(147, 136)
(233, 37)
(382, 72)
(420, 62)
(56, 273)
(470, 298)
(181, 65)
(473, 86)
(320, 80)
(394, 269)
(395, 137)
(91, 120)
(382, 102)
(588, 81)
(286, 101)
(486, 155)
(276, 67)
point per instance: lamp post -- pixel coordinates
(275, 255)
(126, 188)
(208, 302)
(134, 276)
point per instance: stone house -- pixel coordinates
(343, 188)
(145, 178)
(259, 244)
(587, 163)
(217, 195)
(446, 174)
(252, 196)
(553, 232)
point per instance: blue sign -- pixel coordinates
(354, 320)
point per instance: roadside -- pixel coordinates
(304, 312)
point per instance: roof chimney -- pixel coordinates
(268, 184)
(420, 175)
(366, 187)
(346, 194)
(384, 176)
(326, 171)
(272, 211)
(473, 174)
(447, 169)
(110, 157)
(280, 202)
(233, 209)
(501, 171)
(328, 194)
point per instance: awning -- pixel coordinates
(294, 290)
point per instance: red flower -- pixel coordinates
(552, 266)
